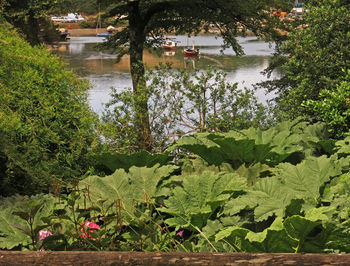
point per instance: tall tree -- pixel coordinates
(27, 15)
(315, 60)
(157, 17)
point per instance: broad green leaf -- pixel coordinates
(200, 144)
(249, 146)
(211, 228)
(315, 140)
(235, 230)
(240, 150)
(343, 146)
(192, 165)
(337, 194)
(306, 179)
(320, 214)
(302, 230)
(253, 172)
(271, 196)
(139, 185)
(125, 161)
(277, 225)
(10, 236)
(273, 238)
(14, 213)
(200, 196)
(267, 197)
(235, 236)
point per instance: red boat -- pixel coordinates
(169, 44)
(191, 52)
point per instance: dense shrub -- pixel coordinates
(315, 68)
(46, 126)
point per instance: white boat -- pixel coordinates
(169, 44)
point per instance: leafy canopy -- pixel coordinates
(46, 126)
(158, 17)
(316, 59)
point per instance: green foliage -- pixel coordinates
(157, 18)
(125, 161)
(293, 235)
(29, 16)
(314, 83)
(271, 196)
(46, 126)
(299, 206)
(286, 142)
(200, 196)
(21, 220)
(333, 107)
(344, 145)
(139, 185)
(180, 103)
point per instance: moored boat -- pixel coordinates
(104, 34)
(169, 44)
(191, 51)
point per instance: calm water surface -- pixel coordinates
(103, 72)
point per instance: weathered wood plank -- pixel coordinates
(140, 258)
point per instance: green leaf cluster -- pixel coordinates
(284, 189)
(315, 65)
(180, 103)
(46, 125)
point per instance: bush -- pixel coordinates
(180, 103)
(316, 66)
(46, 126)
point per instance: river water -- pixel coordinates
(101, 69)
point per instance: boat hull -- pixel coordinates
(191, 52)
(104, 35)
(167, 47)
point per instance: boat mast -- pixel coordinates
(98, 24)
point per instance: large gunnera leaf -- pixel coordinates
(343, 146)
(271, 196)
(201, 145)
(139, 185)
(246, 146)
(15, 231)
(10, 235)
(125, 161)
(294, 234)
(267, 197)
(337, 195)
(305, 179)
(192, 204)
(272, 239)
(309, 234)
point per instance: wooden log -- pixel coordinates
(171, 258)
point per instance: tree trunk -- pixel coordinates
(137, 39)
(30, 28)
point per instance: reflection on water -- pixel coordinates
(101, 69)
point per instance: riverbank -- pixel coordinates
(86, 32)
(93, 32)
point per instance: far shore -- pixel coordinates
(93, 32)
(86, 32)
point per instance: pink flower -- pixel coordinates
(44, 234)
(180, 233)
(88, 225)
